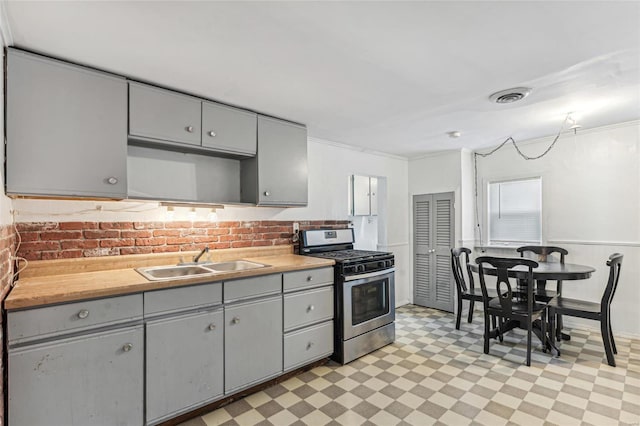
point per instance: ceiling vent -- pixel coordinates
(510, 95)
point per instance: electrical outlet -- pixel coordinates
(296, 227)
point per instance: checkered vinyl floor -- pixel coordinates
(435, 374)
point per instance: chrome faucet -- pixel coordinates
(199, 255)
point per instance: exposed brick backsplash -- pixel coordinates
(59, 240)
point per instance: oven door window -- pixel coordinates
(369, 301)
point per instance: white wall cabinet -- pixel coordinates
(363, 196)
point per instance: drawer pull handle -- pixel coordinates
(310, 345)
(235, 320)
(127, 347)
(310, 308)
(83, 314)
(212, 326)
(189, 129)
(309, 278)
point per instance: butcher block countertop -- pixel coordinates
(66, 280)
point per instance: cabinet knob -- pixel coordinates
(189, 129)
(212, 326)
(309, 278)
(235, 320)
(111, 180)
(127, 347)
(310, 345)
(83, 314)
(212, 133)
(310, 308)
(267, 193)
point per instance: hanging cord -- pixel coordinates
(15, 257)
(523, 155)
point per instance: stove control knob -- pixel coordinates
(382, 264)
(360, 268)
(388, 263)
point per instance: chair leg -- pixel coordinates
(559, 329)
(543, 329)
(606, 339)
(552, 325)
(486, 333)
(529, 324)
(459, 313)
(613, 342)
(471, 305)
(500, 328)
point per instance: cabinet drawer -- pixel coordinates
(308, 345)
(308, 307)
(175, 299)
(60, 319)
(162, 114)
(251, 287)
(307, 278)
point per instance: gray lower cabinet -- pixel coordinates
(252, 342)
(184, 367)
(277, 176)
(308, 316)
(161, 114)
(94, 379)
(66, 129)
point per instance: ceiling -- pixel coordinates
(393, 76)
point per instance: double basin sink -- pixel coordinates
(159, 273)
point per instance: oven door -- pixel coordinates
(368, 301)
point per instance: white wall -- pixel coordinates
(329, 167)
(5, 202)
(591, 207)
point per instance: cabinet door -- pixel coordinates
(184, 363)
(229, 129)
(162, 114)
(361, 196)
(282, 163)
(92, 379)
(252, 343)
(66, 129)
(373, 196)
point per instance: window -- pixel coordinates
(515, 211)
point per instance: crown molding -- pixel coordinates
(356, 148)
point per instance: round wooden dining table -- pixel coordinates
(545, 271)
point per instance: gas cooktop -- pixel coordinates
(351, 255)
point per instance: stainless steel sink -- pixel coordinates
(236, 265)
(158, 273)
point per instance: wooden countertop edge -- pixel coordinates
(47, 290)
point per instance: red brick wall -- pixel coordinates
(57, 240)
(7, 247)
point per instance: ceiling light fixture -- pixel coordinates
(509, 96)
(454, 134)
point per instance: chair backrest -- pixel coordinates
(543, 251)
(615, 265)
(502, 266)
(457, 268)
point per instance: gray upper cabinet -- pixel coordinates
(66, 129)
(228, 129)
(163, 115)
(278, 174)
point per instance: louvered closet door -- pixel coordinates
(433, 237)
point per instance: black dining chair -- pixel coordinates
(543, 252)
(594, 311)
(459, 263)
(511, 307)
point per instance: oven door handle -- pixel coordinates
(369, 275)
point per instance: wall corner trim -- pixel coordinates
(5, 29)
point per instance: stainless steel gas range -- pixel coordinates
(365, 292)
